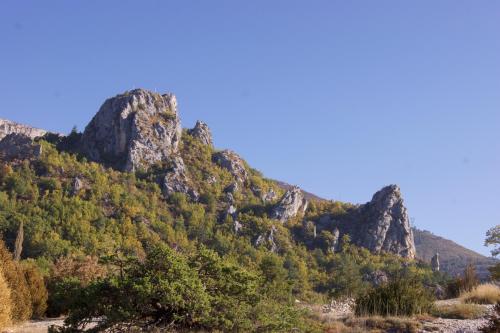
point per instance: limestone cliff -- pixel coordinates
(7, 127)
(133, 130)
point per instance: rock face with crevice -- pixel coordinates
(290, 205)
(133, 131)
(202, 133)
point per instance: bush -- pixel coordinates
(5, 302)
(67, 276)
(384, 324)
(20, 294)
(459, 311)
(483, 294)
(403, 296)
(38, 291)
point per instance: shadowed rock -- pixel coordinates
(230, 161)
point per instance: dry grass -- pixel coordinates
(5, 302)
(459, 311)
(383, 324)
(483, 294)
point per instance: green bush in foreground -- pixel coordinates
(402, 296)
(177, 291)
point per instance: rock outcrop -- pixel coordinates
(201, 132)
(386, 226)
(232, 162)
(381, 225)
(291, 204)
(133, 130)
(16, 146)
(435, 262)
(176, 180)
(9, 127)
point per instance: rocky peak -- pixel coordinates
(133, 130)
(232, 162)
(7, 127)
(435, 262)
(387, 226)
(290, 205)
(201, 132)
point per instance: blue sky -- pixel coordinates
(339, 97)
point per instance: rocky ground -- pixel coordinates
(35, 326)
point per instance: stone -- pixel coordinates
(201, 132)
(386, 227)
(267, 238)
(133, 131)
(269, 196)
(232, 188)
(176, 180)
(290, 205)
(237, 226)
(16, 146)
(9, 127)
(335, 247)
(229, 160)
(435, 262)
(377, 278)
(76, 186)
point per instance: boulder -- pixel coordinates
(267, 238)
(133, 130)
(201, 132)
(377, 278)
(291, 204)
(15, 146)
(269, 196)
(230, 161)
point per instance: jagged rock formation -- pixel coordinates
(232, 162)
(387, 226)
(19, 146)
(8, 127)
(133, 130)
(290, 205)
(381, 225)
(201, 132)
(435, 262)
(176, 180)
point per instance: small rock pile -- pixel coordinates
(340, 307)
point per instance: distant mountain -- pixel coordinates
(453, 257)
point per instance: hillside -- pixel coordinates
(136, 187)
(453, 257)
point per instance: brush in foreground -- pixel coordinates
(459, 311)
(483, 294)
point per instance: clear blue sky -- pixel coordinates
(339, 97)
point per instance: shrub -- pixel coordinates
(5, 302)
(483, 294)
(459, 311)
(20, 294)
(67, 275)
(401, 296)
(38, 291)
